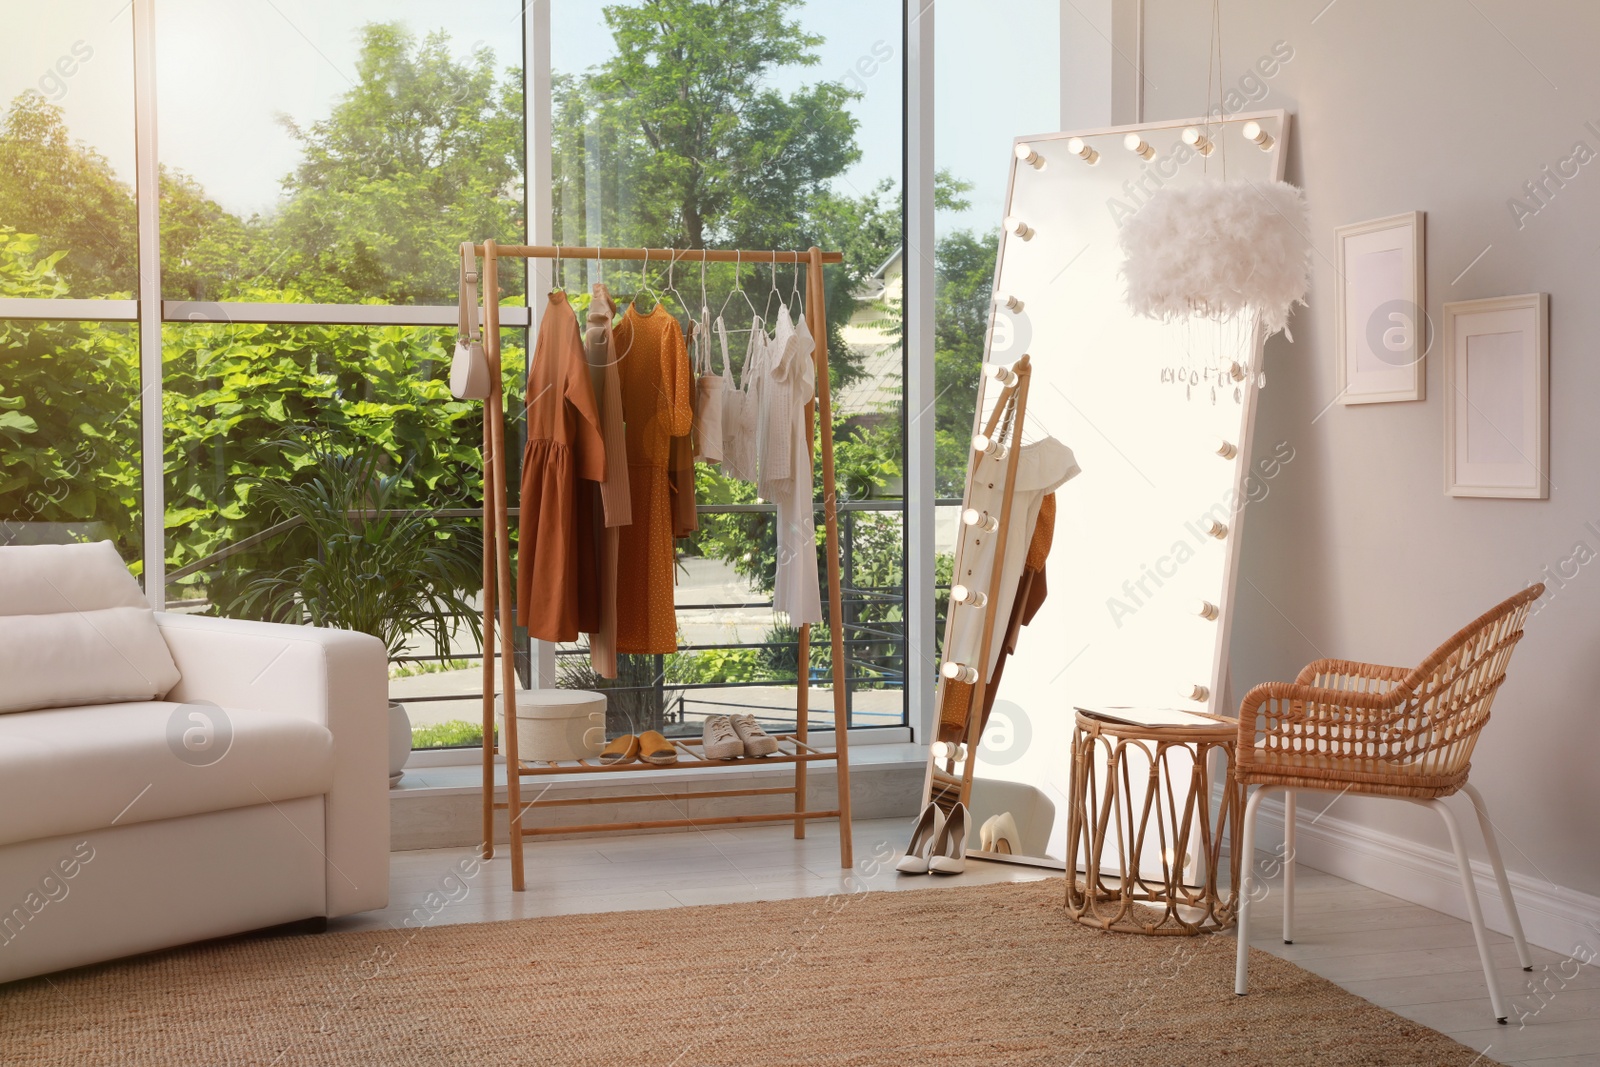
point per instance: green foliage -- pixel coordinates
(457, 733)
(400, 577)
(234, 389)
(717, 665)
(965, 279)
(69, 410)
(421, 154)
(712, 150)
(680, 140)
(417, 668)
(68, 194)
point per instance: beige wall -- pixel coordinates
(1358, 553)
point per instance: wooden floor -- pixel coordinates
(1417, 962)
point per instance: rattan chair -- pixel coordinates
(1368, 730)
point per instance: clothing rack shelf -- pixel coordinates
(795, 748)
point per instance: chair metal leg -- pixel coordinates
(1288, 865)
(1491, 842)
(1247, 866)
(1474, 910)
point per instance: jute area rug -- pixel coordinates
(972, 975)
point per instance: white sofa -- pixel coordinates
(168, 778)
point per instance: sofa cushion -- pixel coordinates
(70, 770)
(75, 629)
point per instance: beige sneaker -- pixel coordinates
(757, 742)
(718, 739)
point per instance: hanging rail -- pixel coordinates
(690, 255)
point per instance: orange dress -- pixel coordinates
(558, 575)
(654, 366)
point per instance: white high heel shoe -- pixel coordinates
(950, 846)
(924, 832)
(999, 835)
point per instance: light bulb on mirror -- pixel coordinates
(972, 598)
(1198, 693)
(1257, 136)
(1198, 141)
(1225, 448)
(1078, 148)
(1207, 610)
(1139, 147)
(980, 520)
(1216, 529)
(1009, 301)
(939, 750)
(1000, 373)
(959, 672)
(1018, 228)
(1236, 372)
(1027, 154)
(988, 447)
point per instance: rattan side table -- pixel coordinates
(1173, 752)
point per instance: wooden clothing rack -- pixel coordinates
(941, 784)
(794, 748)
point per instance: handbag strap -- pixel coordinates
(467, 304)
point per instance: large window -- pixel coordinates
(318, 164)
(788, 134)
(976, 120)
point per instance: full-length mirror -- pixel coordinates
(1157, 416)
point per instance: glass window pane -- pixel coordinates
(976, 119)
(69, 432)
(324, 474)
(335, 153)
(67, 145)
(789, 135)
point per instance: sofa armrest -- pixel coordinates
(335, 677)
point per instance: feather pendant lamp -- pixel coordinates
(1220, 250)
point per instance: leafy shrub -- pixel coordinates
(453, 734)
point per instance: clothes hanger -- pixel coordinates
(774, 292)
(672, 285)
(645, 287)
(738, 287)
(798, 301)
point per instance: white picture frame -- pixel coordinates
(1497, 397)
(1381, 328)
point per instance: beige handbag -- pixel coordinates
(469, 369)
(708, 389)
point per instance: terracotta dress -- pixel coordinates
(654, 366)
(558, 572)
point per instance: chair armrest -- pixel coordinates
(1335, 723)
(335, 677)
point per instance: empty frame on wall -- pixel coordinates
(1497, 397)
(1381, 325)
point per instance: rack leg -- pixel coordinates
(489, 550)
(801, 729)
(508, 667)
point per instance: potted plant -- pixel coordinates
(402, 575)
